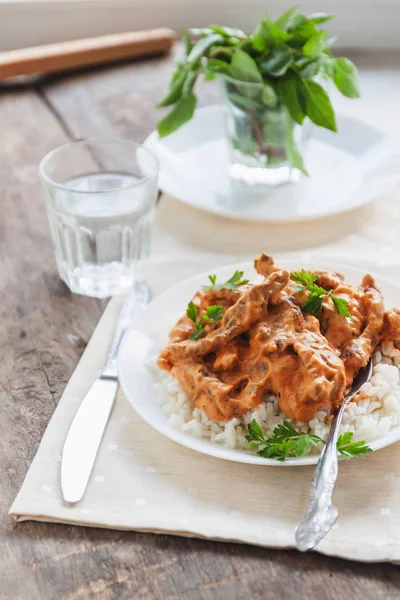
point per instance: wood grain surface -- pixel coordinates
(43, 331)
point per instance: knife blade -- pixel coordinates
(88, 426)
(84, 437)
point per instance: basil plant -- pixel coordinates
(273, 79)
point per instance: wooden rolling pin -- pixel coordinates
(64, 56)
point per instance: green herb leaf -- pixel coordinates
(219, 66)
(202, 45)
(283, 20)
(268, 35)
(236, 281)
(198, 332)
(255, 432)
(313, 305)
(341, 306)
(318, 18)
(214, 313)
(347, 449)
(346, 78)
(233, 283)
(175, 91)
(228, 32)
(286, 442)
(268, 95)
(294, 156)
(303, 277)
(317, 104)
(277, 61)
(244, 67)
(191, 311)
(288, 89)
(315, 44)
(187, 42)
(181, 113)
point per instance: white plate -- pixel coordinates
(347, 169)
(137, 380)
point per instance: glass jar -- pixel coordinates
(258, 131)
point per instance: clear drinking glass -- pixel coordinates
(100, 196)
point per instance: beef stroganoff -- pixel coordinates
(268, 364)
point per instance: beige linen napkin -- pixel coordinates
(145, 482)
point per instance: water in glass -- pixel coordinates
(101, 239)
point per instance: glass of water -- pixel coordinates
(100, 196)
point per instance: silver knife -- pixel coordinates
(87, 428)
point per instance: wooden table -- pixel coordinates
(43, 331)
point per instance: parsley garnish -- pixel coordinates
(213, 313)
(313, 304)
(232, 284)
(348, 449)
(286, 442)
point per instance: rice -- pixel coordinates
(375, 413)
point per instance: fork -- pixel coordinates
(321, 514)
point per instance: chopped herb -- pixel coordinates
(191, 311)
(286, 442)
(348, 449)
(303, 277)
(313, 304)
(213, 313)
(235, 282)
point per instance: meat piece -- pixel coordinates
(264, 265)
(338, 329)
(236, 320)
(304, 370)
(391, 330)
(358, 351)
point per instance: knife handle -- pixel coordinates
(138, 297)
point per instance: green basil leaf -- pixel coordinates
(181, 113)
(296, 22)
(317, 105)
(318, 18)
(277, 62)
(346, 77)
(315, 44)
(282, 21)
(190, 81)
(219, 66)
(228, 32)
(187, 42)
(295, 158)
(202, 45)
(268, 95)
(268, 35)
(244, 67)
(175, 90)
(311, 69)
(289, 89)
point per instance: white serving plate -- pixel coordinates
(347, 170)
(137, 380)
